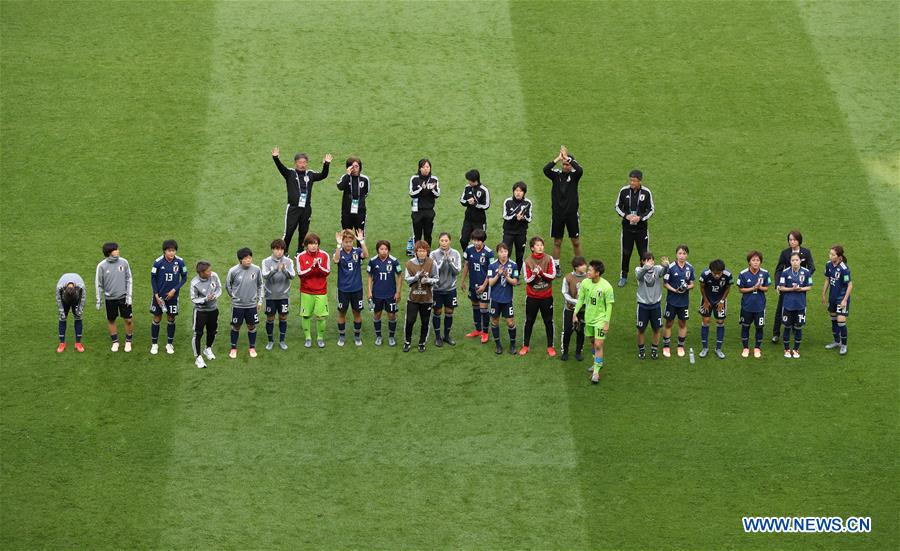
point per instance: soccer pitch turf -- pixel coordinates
(142, 121)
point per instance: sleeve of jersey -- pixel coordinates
(529, 274)
(183, 279)
(487, 199)
(98, 284)
(550, 274)
(437, 188)
(217, 285)
(153, 286)
(508, 211)
(321, 175)
(303, 265)
(414, 187)
(651, 209)
(128, 284)
(579, 302)
(196, 296)
(326, 266)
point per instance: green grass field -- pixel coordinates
(141, 121)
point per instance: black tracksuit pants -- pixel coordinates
(296, 218)
(532, 307)
(423, 225)
(631, 236)
(205, 321)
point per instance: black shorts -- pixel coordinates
(504, 309)
(834, 307)
(715, 313)
(753, 318)
(649, 316)
(240, 315)
(565, 222)
(74, 308)
(116, 308)
(350, 300)
(386, 304)
(279, 306)
(478, 297)
(672, 312)
(445, 299)
(793, 318)
(354, 221)
(171, 307)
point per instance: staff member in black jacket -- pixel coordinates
(635, 206)
(564, 201)
(355, 186)
(424, 188)
(516, 217)
(477, 199)
(795, 239)
(299, 183)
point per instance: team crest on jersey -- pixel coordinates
(478, 194)
(175, 268)
(641, 197)
(121, 268)
(355, 257)
(253, 276)
(687, 274)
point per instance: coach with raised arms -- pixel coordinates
(299, 181)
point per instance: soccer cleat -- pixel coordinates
(843, 351)
(406, 347)
(253, 353)
(79, 347)
(564, 357)
(199, 362)
(154, 349)
(282, 345)
(720, 354)
(449, 340)
(340, 340)
(745, 353)
(523, 351)
(832, 345)
(595, 378)
(472, 334)
(757, 353)
(551, 352)
(704, 352)
(775, 338)
(170, 349)
(232, 353)
(307, 343)
(209, 353)
(270, 345)
(512, 349)
(499, 350)
(438, 341)
(357, 341)
(392, 341)
(484, 338)
(320, 342)
(61, 348)
(787, 354)
(641, 354)
(680, 351)
(622, 282)
(667, 352)
(654, 354)
(421, 347)
(578, 356)
(378, 341)
(127, 346)
(114, 347)
(795, 353)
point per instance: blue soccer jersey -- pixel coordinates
(384, 276)
(350, 270)
(838, 280)
(755, 301)
(502, 291)
(794, 300)
(167, 275)
(679, 277)
(715, 288)
(478, 263)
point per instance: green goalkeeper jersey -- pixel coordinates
(597, 299)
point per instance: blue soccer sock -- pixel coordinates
(392, 327)
(745, 336)
(79, 325)
(170, 332)
(512, 335)
(154, 332)
(704, 335)
(62, 330)
(495, 331)
(448, 323)
(667, 341)
(759, 336)
(377, 324)
(282, 330)
(843, 331)
(436, 323)
(357, 328)
(128, 337)
(114, 337)
(786, 338)
(234, 338)
(485, 319)
(342, 329)
(798, 338)
(835, 330)
(270, 330)
(251, 335)
(720, 336)
(681, 342)
(476, 317)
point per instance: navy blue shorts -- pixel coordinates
(679, 312)
(504, 309)
(649, 316)
(241, 315)
(793, 318)
(834, 307)
(476, 297)
(171, 307)
(445, 299)
(387, 304)
(277, 306)
(116, 308)
(753, 318)
(350, 300)
(715, 313)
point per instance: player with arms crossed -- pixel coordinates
(277, 273)
(753, 283)
(596, 295)
(793, 284)
(384, 289)
(113, 283)
(167, 276)
(838, 287)
(205, 292)
(503, 276)
(70, 295)
(715, 284)
(350, 291)
(245, 287)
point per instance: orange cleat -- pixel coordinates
(61, 347)
(474, 333)
(79, 347)
(551, 352)
(484, 338)
(523, 351)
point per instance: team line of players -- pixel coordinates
(431, 276)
